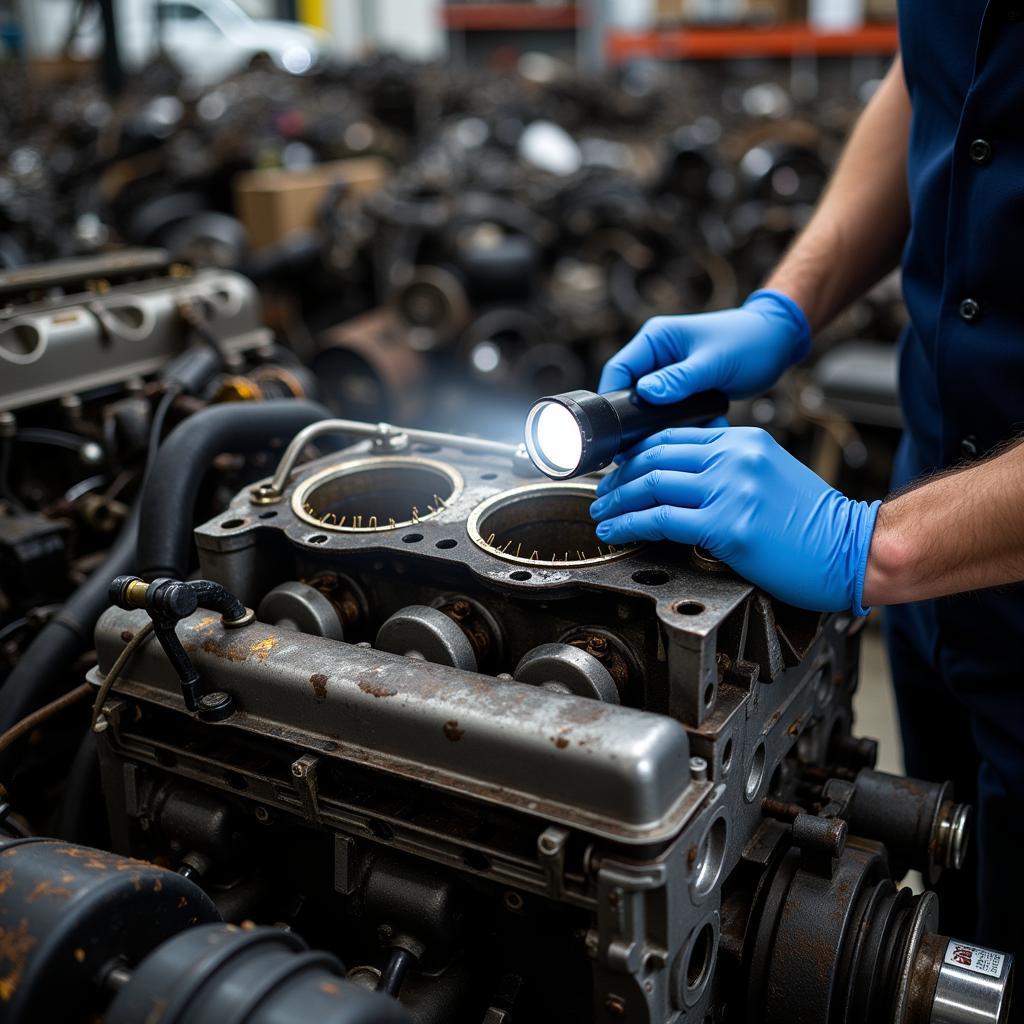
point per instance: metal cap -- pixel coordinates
(974, 986)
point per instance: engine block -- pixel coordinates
(567, 782)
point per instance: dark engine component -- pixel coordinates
(538, 779)
(71, 914)
(79, 926)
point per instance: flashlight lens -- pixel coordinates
(556, 439)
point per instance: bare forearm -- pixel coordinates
(856, 234)
(961, 531)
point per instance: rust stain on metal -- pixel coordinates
(6, 877)
(560, 741)
(319, 683)
(47, 888)
(262, 648)
(127, 635)
(375, 689)
(452, 730)
(211, 646)
(15, 946)
(329, 988)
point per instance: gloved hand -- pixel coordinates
(739, 351)
(740, 495)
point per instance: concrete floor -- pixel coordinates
(874, 707)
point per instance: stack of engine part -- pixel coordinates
(101, 358)
(535, 220)
(502, 772)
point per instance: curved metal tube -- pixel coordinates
(384, 435)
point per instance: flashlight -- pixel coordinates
(580, 432)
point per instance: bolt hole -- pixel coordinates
(650, 577)
(475, 860)
(488, 476)
(513, 901)
(709, 695)
(520, 574)
(412, 538)
(231, 524)
(269, 514)
(446, 544)
(710, 857)
(727, 754)
(699, 964)
(235, 781)
(317, 538)
(688, 608)
(755, 773)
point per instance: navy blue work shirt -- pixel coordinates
(962, 359)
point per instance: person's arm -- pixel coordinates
(961, 531)
(857, 232)
(853, 239)
(736, 492)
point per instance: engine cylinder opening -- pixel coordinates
(376, 494)
(542, 525)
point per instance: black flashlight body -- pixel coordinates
(615, 421)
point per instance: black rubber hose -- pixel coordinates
(168, 500)
(169, 496)
(41, 669)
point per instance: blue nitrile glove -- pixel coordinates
(739, 351)
(740, 495)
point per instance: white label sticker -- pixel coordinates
(974, 958)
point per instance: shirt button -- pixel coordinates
(970, 310)
(969, 446)
(980, 151)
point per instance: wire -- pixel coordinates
(57, 438)
(117, 668)
(11, 628)
(157, 427)
(47, 711)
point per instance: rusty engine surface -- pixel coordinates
(508, 775)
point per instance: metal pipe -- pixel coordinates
(384, 435)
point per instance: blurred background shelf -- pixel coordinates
(790, 40)
(509, 17)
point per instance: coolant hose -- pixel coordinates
(166, 511)
(167, 504)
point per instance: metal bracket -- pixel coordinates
(551, 845)
(304, 772)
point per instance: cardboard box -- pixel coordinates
(274, 203)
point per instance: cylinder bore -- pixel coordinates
(543, 525)
(376, 494)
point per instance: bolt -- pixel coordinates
(298, 770)
(262, 814)
(597, 646)
(460, 610)
(513, 901)
(698, 769)
(101, 724)
(616, 1006)
(216, 705)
